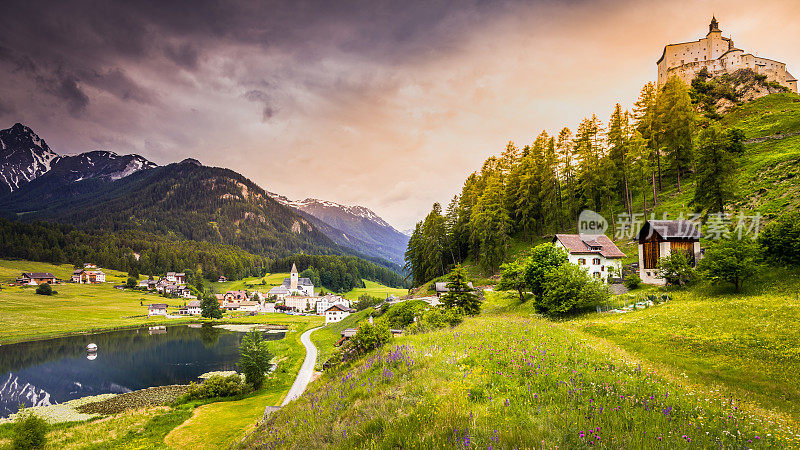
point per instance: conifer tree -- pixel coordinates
(716, 171)
(675, 125)
(490, 225)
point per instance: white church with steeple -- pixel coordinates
(718, 55)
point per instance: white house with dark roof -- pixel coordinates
(597, 254)
(659, 238)
(336, 313)
(298, 286)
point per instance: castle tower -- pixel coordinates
(714, 25)
(293, 275)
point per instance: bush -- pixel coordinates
(254, 357)
(436, 318)
(676, 269)
(780, 240)
(730, 260)
(30, 431)
(569, 289)
(131, 283)
(217, 386)
(367, 301)
(544, 258)
(369, 337)
(402, 314)
(45, 289)
(632, 281)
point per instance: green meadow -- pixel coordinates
(512, 379)
(76, 308)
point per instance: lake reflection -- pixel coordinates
(56, 370)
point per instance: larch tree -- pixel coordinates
(716, 171)
(675, 124)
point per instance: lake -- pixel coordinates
(41, 373)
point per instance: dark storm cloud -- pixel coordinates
(68, 44)
(268, 108)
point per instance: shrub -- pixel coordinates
(369, 337)
(30, 431)
(436, 318)
(780, 240)
(676, 269)
(632, 281)
(367, 301)
(217, 386)
(402, 314)
(131, 283)
(544, 258)
(730, 260)
(45, 289)
(254, 357)
(569, 289)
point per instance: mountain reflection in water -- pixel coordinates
(53, 371)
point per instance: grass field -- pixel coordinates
(747, 345)
(253, 283)
(513, 379)
(25, 315)
(376, 290)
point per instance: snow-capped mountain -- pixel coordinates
(99, 164)
(25, 157)
(356, 227)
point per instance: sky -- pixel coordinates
(385, 104)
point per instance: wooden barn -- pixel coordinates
(659, 238)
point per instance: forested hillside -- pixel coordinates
(341, 273)
(66, 244)
(185, 201)
(649, 160)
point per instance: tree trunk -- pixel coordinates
(644, 193)
(679, 180)
(658, 160)
(655, 194)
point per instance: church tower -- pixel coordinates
(293, 281)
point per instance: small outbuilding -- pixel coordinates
(659, 238)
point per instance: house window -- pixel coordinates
(596, 261)
(602, 268)
(582, 261)
(596, 274)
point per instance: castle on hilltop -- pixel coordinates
(718, 55)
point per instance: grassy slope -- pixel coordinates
(76, 308)
(253, 283)
(218, 425)
(326, 337)
(747, 345)
(376, 290)
(509, 378)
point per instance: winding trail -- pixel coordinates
(304, 375)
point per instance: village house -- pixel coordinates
(336, 313)
(194, 308)
(36, 278)
(268, 307)
(441, 287)
(249, 306)
(279, 292)
(659, 238)
(88, 276)
(157, 309)
(329, 300)
(222, 279)
(174, 277)
(149, 284)
(594, 253)
(301, 303)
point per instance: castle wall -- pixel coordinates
(717, 55)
